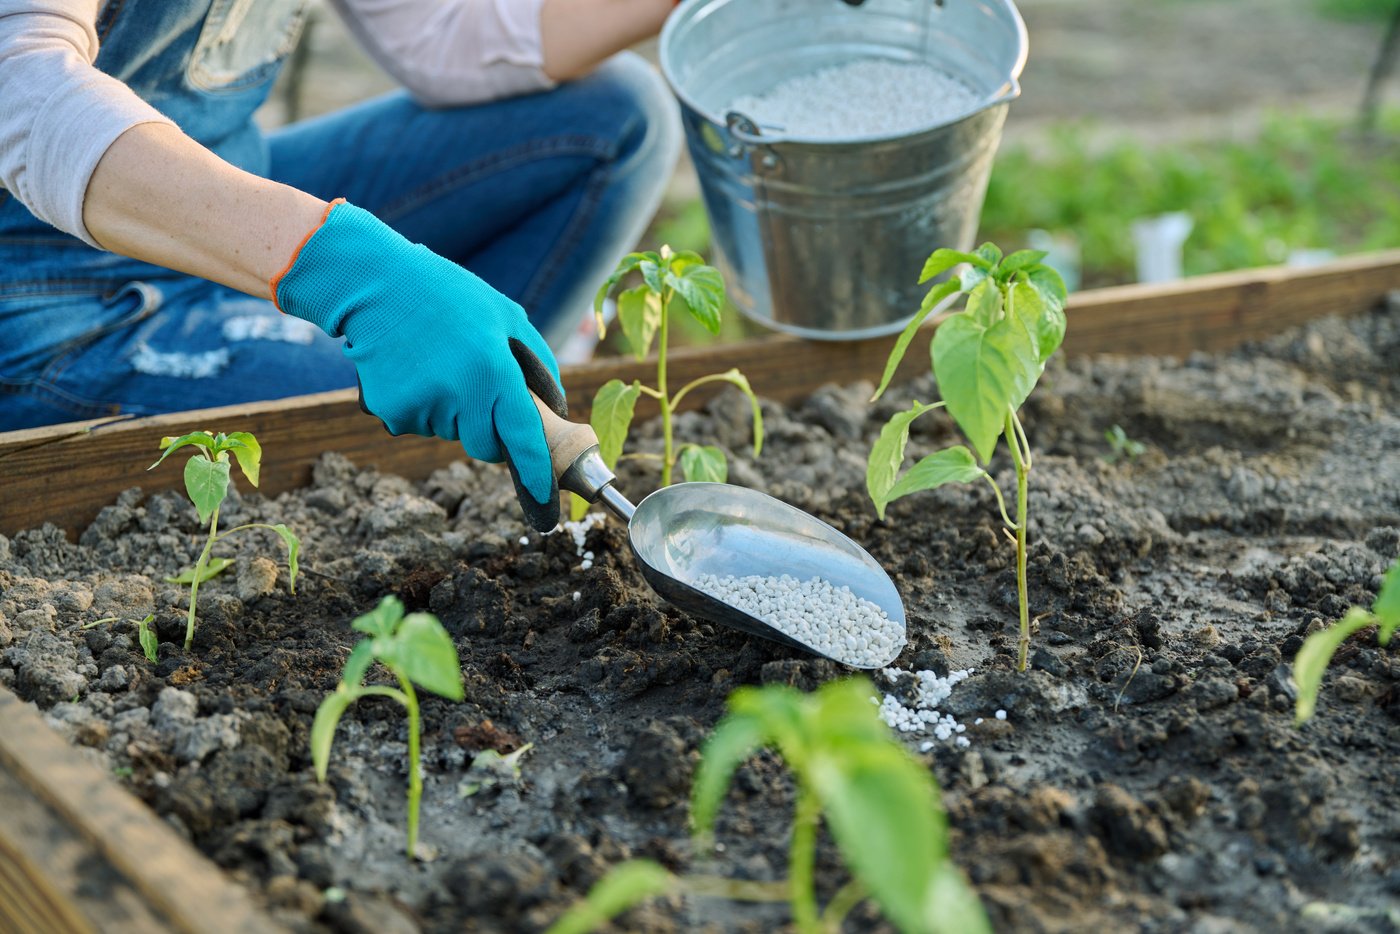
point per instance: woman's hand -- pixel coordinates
(438, 351)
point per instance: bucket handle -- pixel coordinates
(747, 131)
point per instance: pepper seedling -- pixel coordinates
(416, 650)
(207, 480)
(1310, 664)
(1121, 447)
(986, 359)
(880, 805)
(669, 281)
(145, 634)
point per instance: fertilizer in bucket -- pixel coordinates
(863, 97)
(837, 146)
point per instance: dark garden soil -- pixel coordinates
(1148, 775)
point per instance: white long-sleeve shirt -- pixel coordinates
(59, 114)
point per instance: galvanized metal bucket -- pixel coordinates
(826, 238)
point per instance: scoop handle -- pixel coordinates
(573, 450)
(567, 440)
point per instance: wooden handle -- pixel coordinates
(566, 439)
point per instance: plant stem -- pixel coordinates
(700, 381)
(198, 573)
(1014, 442)
(740, 890)
(1001, 501)
(415, 773)
(240, 528)
(802, 857)
(668, 458)
(846, 898)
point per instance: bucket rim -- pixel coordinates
(1008, 91)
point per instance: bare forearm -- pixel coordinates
(575, 35)
(159, 196)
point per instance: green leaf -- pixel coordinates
(323, 728)
(685, 258)
(170, 445)
(150, 644)
(1044, 323)
(785, 715)
(427, 656)
(983, 373)
(972, 277)
(950, 465)
(382, 620)
(206, 482)
(990, 253)
(734, 740)
(882, 809)
(611, 417)
(984, 302)
(1310, 664)
(848, 713)
(653, 274)
(625, 886)
(357, 664)
(704, 464)
(212, 568)
(639, 314)
(940, 261)
(249, 454)
(1387, 605)
(951, 905)
(289, 538)
(624, 266)
(935, 295)
(1046, 280)
(887, 454)
(578, 507)
(1019, 260)
(702, 288)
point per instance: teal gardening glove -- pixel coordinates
(438, 351)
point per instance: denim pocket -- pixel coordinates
(46, 377)
(242, 42)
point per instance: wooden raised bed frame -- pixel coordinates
(63, 822)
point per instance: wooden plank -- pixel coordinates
(78, 854)
(1213, 313)
(64, 474)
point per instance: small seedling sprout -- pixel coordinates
(416, 650)
(986, 359)
(669, 281)
(880, 806)
(145, 634)
(1310, 664)
(1121, 447)
(207, 482)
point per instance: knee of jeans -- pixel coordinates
(650, 125)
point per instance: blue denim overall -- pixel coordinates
(539, 195)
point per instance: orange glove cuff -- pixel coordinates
(277, 279)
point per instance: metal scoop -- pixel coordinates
(680, 533)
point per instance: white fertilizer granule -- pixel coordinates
(923, 717)
(578, 531)
(832, 620)
(864, 97)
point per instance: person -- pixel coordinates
(159, 252)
